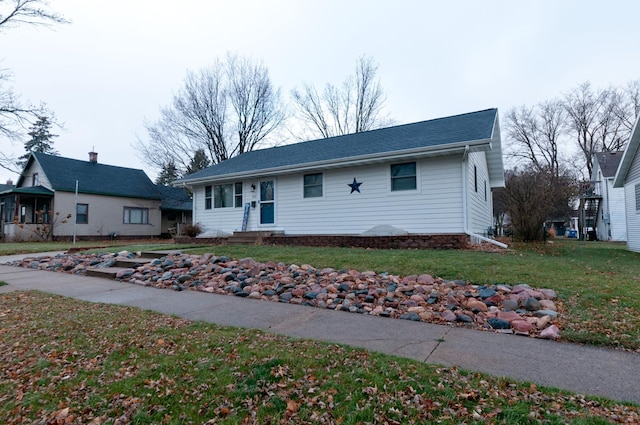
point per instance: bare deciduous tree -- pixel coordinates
(596, 120)
(354, 107)
(14, 116)
(30, 12)
(534, 135)
(224, 110)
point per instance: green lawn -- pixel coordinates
(66, 361)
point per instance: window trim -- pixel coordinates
(475, 178)
(86, 214)
(637, 190)
(126, 218)
(208, 197)
(308, 186)
(237, 196)
(392, 178)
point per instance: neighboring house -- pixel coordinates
(611, 223)
(6, 205)
(61, 197)
(176, 206)
(628, 177)
(431, 178)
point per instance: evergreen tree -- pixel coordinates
(41, 139)
(200, 161)
(168, 174)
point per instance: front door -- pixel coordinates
(267, 202)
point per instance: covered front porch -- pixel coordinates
(27, 214)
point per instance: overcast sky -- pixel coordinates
(119, 61)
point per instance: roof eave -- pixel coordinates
(627, 156)
(346, 162)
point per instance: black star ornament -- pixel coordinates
(355, 186)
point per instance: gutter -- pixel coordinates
(465, 205)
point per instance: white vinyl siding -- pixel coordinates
(633, 215)
(479, 205)
(436, 207)
(221, 220)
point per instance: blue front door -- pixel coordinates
(267, 202)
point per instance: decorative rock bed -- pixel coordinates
(518, 309)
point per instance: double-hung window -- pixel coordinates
(82, 213)
(227, 195)
(238, 195)
(312, 185)
(403, 176)
(223, 195)
(207, 197)
(135, 215)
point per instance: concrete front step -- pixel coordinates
(132, 262)
(157, 254)
(106, 273)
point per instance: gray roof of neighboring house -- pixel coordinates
(94, 178)
(175, 198)
(6, 187)
(420, 136)
(609, 162)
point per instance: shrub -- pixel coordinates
(192, 230)
(551, 232)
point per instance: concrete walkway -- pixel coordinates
(585, 370)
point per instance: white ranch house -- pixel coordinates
(427, 178)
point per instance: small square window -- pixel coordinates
(313, 185)
(403, 176)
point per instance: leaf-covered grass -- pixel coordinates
(71, 362)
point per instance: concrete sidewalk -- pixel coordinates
(586, 370)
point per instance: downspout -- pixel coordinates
(465, 217)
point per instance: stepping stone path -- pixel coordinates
(518, 309)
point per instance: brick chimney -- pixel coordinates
(93, 157)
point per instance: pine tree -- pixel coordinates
(200, 161)
(41, 140)
(168, 174)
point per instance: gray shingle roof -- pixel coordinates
(609, 162)
(6, 187)
(174, 198)
(435, 133)
(95, 178)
